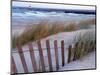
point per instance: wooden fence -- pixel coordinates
(74, 52)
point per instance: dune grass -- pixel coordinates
(87, 23)
(44, 29)
(85, 43)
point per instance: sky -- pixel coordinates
(53, 6)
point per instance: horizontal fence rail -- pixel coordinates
(73, 53)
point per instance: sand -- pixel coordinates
(86, 62)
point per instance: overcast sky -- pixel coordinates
(57, 6)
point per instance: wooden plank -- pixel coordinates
(56, 54)
(21, 54)
(31, 50)
(86, 47)
(13, 66)
(91, 46)
(69, 53)
(79, 51)
(49, 55)
(75, 51)
(62, 51)
(82, 49)
(41, 55)
(94, 45)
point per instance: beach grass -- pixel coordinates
(86, 42)
(44, 29)
(87, 23)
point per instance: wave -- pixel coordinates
(52, 16)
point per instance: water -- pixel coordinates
(29, 17)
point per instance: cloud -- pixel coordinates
(53, 6)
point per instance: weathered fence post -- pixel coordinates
(69, 53)
(49, 55)
(92, 46)
(31, 50)
(41, 55)
(75, 51)
(82, 49)
(22, 58)
(56, 54)
(62, 51)
(79, 50)
(86, 47)
(13, 66)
